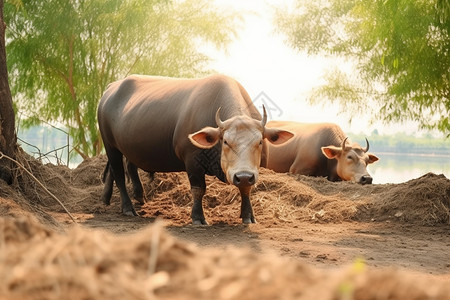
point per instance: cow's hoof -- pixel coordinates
(199, 222)
(140, 200)
(248, 220)
(129, 212)
(106, 201)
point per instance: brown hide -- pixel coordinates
(316, 150)
(159, 123)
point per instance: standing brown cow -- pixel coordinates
(320, 149)
(168, 125)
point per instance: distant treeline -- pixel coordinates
(404, 143)
(47, 139)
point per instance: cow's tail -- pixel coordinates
(105, 172)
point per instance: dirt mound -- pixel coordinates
(287, 198)
(276, 198)
(425, 200)
(92, 264)
(50, 260)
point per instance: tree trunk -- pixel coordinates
(8, 139)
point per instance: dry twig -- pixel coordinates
(2, 155)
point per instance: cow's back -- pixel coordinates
(303, 155)
(149, 118)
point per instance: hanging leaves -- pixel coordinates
(62, 54)
(400, 49)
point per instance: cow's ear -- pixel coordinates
(277, 136)
(331, 151)
(205, 138)
(372, 158)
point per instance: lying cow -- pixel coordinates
(170, 125)
(320, 150)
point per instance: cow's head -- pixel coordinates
(242, 141)
(352, 161)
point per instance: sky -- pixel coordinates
(267, 67)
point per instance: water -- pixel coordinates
(397, 168)
(391, 168)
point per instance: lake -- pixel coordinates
(391, 168)
(397, 168)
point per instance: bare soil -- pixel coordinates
(314, 239)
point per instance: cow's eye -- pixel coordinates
(260, 142)
(225, 142)
(349, 157)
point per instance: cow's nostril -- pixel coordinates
(236, 180)
(251, 181)
(366, 179)
(244, 179)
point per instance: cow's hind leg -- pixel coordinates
(108, 180)
(138, 190)
(115, 159)
(246, 206)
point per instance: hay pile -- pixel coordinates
(284, 198)
(424, 200)
(276, 198)
(37, 263)
(44, 260)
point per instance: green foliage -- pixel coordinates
(401, 49)
(62, 54)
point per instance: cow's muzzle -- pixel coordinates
(366, 179)
(242, 179)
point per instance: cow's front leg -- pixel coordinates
(197, 216)
(196, 177)
(246, 207)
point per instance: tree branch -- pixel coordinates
(45, 189)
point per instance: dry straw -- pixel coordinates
(2, 155)
(37, 263)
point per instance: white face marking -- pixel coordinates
(352, 165)
(241, 149)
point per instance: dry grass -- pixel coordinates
(287, 198)
(38, 263)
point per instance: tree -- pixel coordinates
(400, 48)
(62, 54)
(8, 138)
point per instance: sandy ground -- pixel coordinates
(321, 226)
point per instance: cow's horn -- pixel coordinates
(367, 146)
(264, 119)
(343, 144)
(218, 121)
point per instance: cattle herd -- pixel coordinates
(209, 126)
